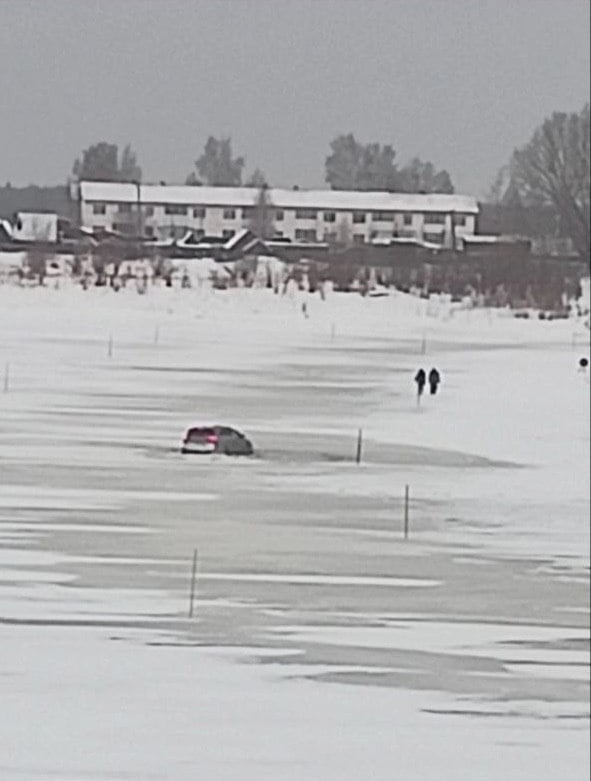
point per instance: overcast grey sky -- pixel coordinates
(460, 82)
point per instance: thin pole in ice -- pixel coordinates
(193, 579)
(110, 347)
(424, 344)
(359, 446)
(406, 508)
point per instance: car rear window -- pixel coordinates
(200, 433)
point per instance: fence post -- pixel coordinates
(193, 579)
(359, 446)
(406, 507)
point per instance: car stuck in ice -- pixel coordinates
(216, 439)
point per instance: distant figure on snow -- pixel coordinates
(434, 380)
(421, 381)
(583, 363)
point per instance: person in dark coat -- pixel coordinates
(421, 381)
(434, 380)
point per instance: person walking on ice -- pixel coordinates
(434, 380)
(421, 381)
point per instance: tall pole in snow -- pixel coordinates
(359, 446)
(139, 227)
(138, 189)
(193, 578)
(452, 231)
(406, 513)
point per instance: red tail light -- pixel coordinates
(212, 438)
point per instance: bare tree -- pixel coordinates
(217, 166)
(344, 234)
(257, 179)
(356, 166)
(261, 222)
(422, 177)
(100, 162)
(553, 169)
(129, 170)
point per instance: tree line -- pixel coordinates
(351, 165)
(550, 173)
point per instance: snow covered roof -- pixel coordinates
(408, 241)
(284, 199)
(485, 238)
(5, 230)
(481, 239)
(234, 240)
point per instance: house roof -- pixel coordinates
(481, 238)
(345, 200)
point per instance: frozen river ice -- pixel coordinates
(324, 645)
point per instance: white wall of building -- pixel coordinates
(35, 226)
(299, 214)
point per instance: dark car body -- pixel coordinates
(216, 439)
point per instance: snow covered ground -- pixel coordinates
(323, 645)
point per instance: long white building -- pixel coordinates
(169, 211)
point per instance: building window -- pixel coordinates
(248, 212)
(229, 214)
(407, 219)
(199, 212)
(460, 220)
(306, 214)
(227, 233)
(330, 217)
(123, 227)
(383, 216)
(434, 218)
(124, 208)
(433, 238)
(175, 209)
(358, 238)
(99, 208)
(305, 235)
(279, 214)
(148, 231)
(358, 217)
(148, 211)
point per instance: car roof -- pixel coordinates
(215, 427)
